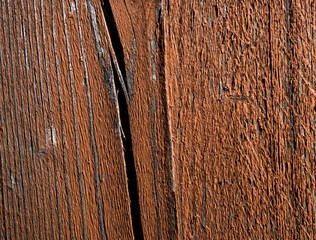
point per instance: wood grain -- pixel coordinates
(61, 144)
(172, 119)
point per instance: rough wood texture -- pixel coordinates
(169, 119)
(63, 170)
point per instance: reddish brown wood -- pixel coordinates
(53, 212)
(157, 119)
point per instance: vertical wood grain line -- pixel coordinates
(51, 117)
(61, 114)
(154, 149)
(95, 154)
(73, 105)
(39, 61)
(35, 117)
(167, 104)
(23, 114)
(12, 174)
(5, 209)
(23, 122)
(63, 135)
(17, 123)
(8, 158)
(32, 143)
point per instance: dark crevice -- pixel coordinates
(125, 122)
(115, 37)
(129, 161)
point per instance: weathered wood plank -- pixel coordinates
(141, 31)
(157, 119)
(240, 145)
(61, 144)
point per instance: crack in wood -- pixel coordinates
(115, 46)
(123, 99)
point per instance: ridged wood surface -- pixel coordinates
(171, 119)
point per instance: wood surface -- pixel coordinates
(171, 119)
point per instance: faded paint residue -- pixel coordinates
(153, 49)
(72, 8)
(51, 136)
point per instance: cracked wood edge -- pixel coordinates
(237, 76)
